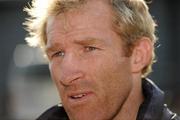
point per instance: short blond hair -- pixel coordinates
(132, 21)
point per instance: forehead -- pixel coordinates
(93, 13)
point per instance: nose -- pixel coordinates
(71, 70)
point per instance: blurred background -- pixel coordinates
(26, 89)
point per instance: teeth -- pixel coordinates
(78, 96)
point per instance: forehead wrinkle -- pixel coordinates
(66, 24)
(62, 22)
(88, 40)
(65, 18)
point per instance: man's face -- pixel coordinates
(87, 62)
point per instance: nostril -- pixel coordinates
(71, 78)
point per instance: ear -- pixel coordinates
(141, 54)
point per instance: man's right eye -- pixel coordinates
(59, 54)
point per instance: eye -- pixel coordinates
(59, 54)
(90, 48)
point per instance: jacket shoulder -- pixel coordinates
(54, 113)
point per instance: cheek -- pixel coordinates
(111, 73)
(55, 75)
(54, 67)
(113, 83)
(55, 72)
(109, 66)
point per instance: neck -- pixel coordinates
(131, 106)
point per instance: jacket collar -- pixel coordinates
(152, 107)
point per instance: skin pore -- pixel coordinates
(94, 78)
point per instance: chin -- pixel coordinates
(84, 114)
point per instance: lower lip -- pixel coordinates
(80, 101)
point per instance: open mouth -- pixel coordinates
(79, 96)
(79, 99)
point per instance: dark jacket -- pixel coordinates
(153, 107)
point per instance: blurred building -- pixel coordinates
(26, 88)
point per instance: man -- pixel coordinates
(99, 52)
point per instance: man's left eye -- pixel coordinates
(90, 48)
